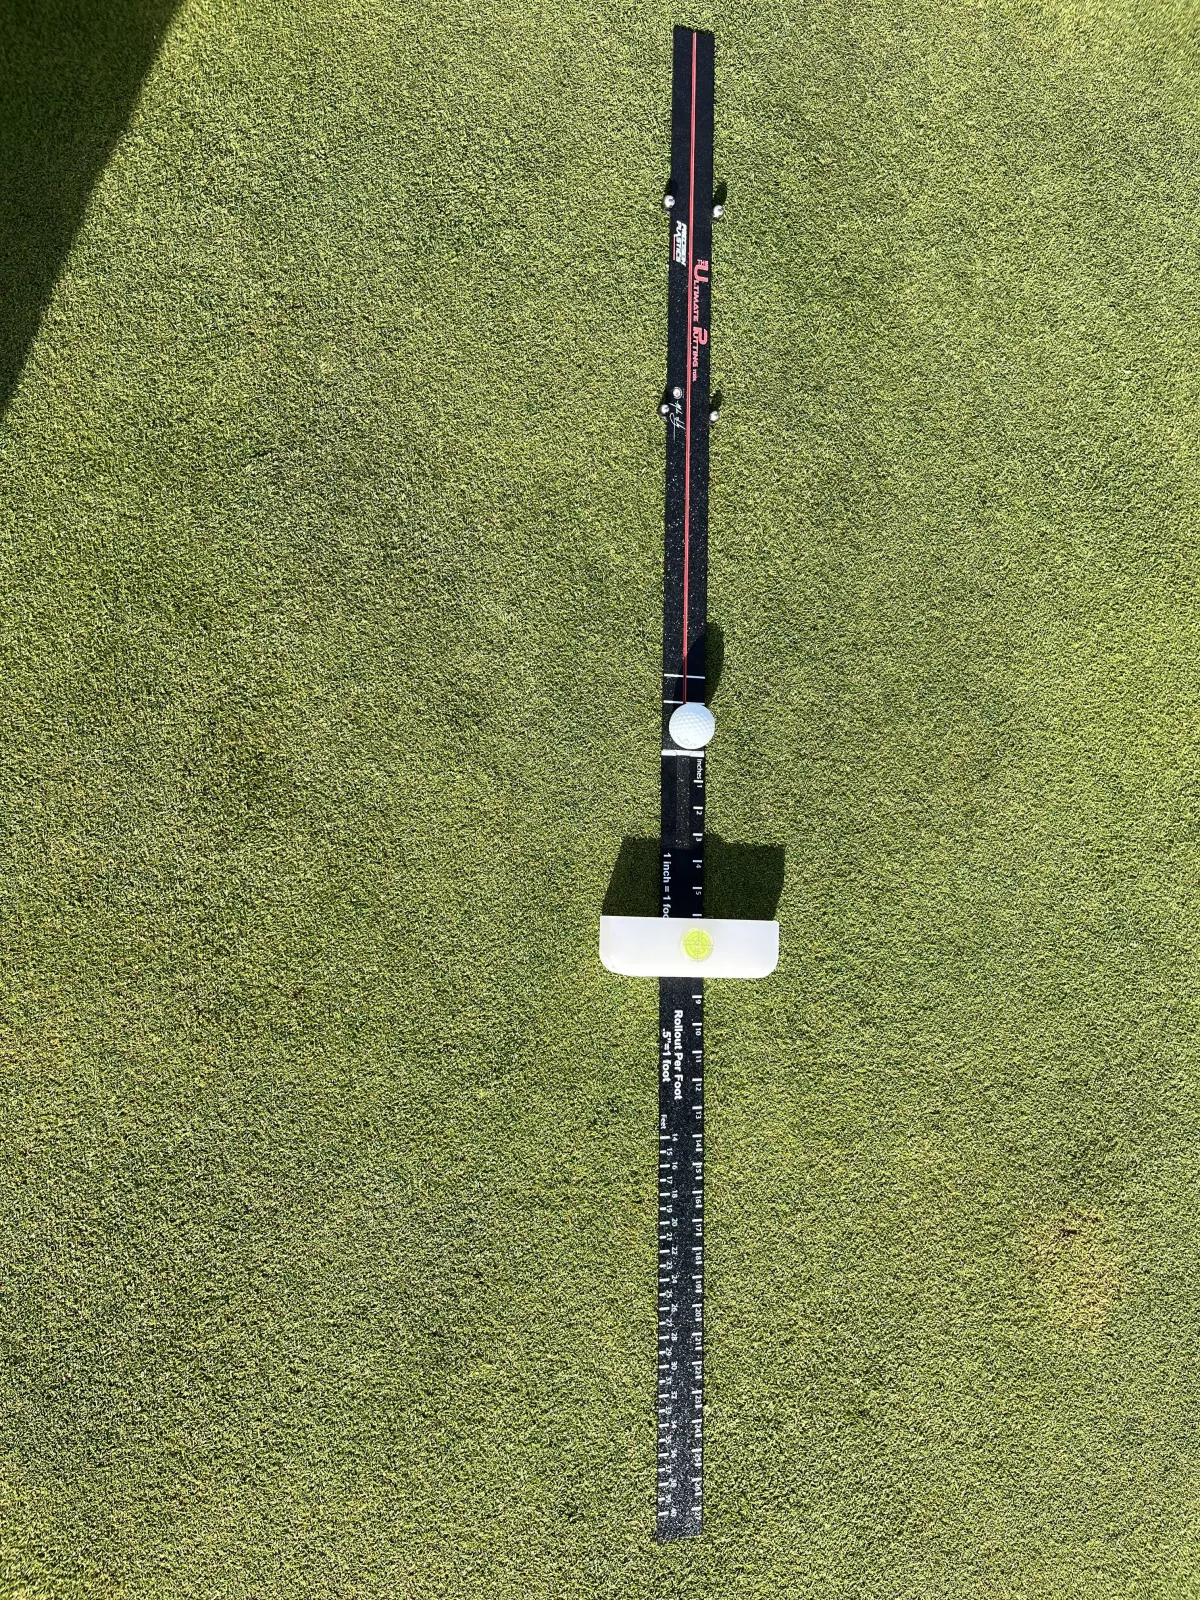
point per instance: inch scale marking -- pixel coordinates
(681, 1000)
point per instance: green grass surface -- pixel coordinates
(330, 571)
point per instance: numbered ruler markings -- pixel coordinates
(681, 1262)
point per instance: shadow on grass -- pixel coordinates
(740, 880)
(714, 659)
(70, 72)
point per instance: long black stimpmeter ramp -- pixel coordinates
(689, 207)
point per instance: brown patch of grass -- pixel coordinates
(1075, 1261)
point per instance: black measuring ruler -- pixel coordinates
(681, 1000)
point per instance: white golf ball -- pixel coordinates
(692, 725)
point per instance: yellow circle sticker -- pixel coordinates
(697, 944)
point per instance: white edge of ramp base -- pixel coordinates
(652, 947)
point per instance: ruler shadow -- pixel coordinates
(740, 880)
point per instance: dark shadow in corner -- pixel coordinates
(740, 880)
(70, 72)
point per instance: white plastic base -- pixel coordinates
(652, 947)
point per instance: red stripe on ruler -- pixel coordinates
(687, 356)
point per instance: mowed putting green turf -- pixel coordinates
(330, 577)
